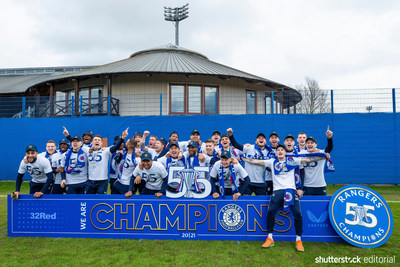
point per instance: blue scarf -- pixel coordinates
(169, 160)
(286, 166)
(79, 161)
(48, 156)
(288, 199)
(222, 182)
(329, 167)
(195, 161)
(261, 156)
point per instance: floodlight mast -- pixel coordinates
(175, 15)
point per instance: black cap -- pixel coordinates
(174, 132)
(261, 134)
(311, 138)
(193, 144)
(289, 136)
(226, 154)
(163, 141)
(173, 144)
(274, 133)
(146, 156)
(225, 135)
(88, 133)
(216, 132)
(138, 133)
(280, 145)
(31, 148)
(195, 131)
(63, 141)
(77, 137)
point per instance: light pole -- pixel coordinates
(175, 15)
(369, 108)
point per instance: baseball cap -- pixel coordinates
(193, 144)
(88, 133)
(274, 133)
(138, 133)
(63, 141)
(77, 137)
(31, 148)
(261, 134)
(174, 132)
(163, 141)
(173, 144)
(146, 156)
(216, 132)
(280, 145)
(289, 136)
(195, 131)
(311, 138)
(225, 154)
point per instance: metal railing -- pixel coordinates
(153, 104)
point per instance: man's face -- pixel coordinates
(174, 151)
(138, 138)
(225, 162)
(121, 146)
(147, 164)
(173, 138)
(51, 148)
(76, 144)
(274, 140)
(31, 156)
(195, 137)
(152, 142)
(159, 146)
(192, 151)
(86, 138)
(225, 142)
(97, 142)
(311, 145)
(216, 138)
(261, 141)
(210, 148)
(289, 144)
(301, 139)
(281, 152)
(63, 147)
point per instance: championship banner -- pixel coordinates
(146, 217)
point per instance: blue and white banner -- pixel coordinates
(146, 217)
(361, 216)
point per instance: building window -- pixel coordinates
(251, 102)
(268, 105)
(193, 99)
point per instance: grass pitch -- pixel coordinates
(46, 251)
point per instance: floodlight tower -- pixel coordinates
(175, 15)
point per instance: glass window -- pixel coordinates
(60, 103)
(251, 102)
(178, 98)
(210, 97)
(268, 108)
(194, 99)
(96, 103)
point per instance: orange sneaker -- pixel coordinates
(299, 246)
(268, 243)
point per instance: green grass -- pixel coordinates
(44, 251)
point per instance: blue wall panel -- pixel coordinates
(366, 146)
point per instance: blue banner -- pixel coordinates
(146, 217)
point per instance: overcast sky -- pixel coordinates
(339, 43)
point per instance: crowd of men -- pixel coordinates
(81, 165)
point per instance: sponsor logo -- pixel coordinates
(361, 216)
(231, 217)
(320, 221)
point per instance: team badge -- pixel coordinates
(231, 217)
(361, 216)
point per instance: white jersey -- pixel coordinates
(98, 163)
(81, 173)
(153, 152)
(49, 157)
(153, 176)
(314, 172)
(37, 169)
(56, 160)
(114, 167)
(128, 166)
(256, 172)
(240, 174)
(284, 180)
(171, 162)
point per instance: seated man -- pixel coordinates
(40, 170)
(229, 177)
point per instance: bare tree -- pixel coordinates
(315, 100)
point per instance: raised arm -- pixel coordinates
(233, 140)
(312, 159)
(329, 135)
(120, 141)
(255, 161)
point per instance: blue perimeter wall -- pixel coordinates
(366, 146)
